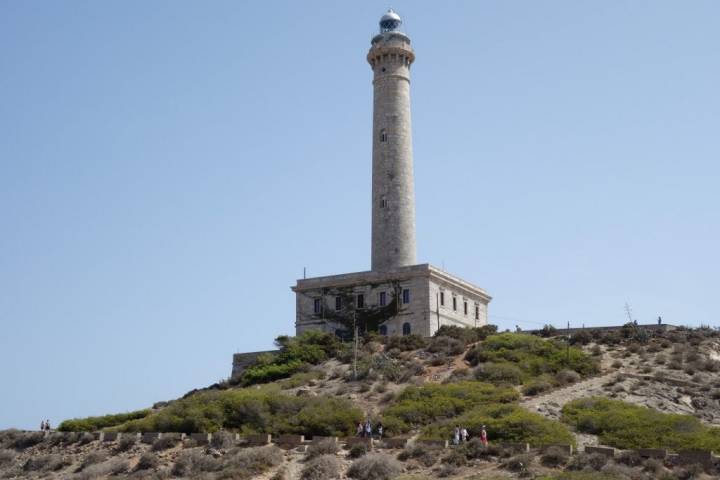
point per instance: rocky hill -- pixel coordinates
(539, 398)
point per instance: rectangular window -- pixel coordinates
(317, 305)
(477, 312)
(338, 303)
(383, 299)
(465, 308)
(406, 296)
(455, 304)
(361, 301)
(442, 298)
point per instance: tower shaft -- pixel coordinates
(393, 192)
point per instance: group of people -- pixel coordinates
(45, 426)
(461, 435)
(366, 429)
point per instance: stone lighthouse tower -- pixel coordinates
(397, 296)
(393, 193)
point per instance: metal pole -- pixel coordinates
(568, 345)
(355, 346)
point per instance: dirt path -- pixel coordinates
(549, 404)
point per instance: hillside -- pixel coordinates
(627, 389)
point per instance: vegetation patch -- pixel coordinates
(263, 410)
(296, 354)
(419, 406)
(624, 425)
(504, 423)
(92, 424)
(518, 358)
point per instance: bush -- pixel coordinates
(164, 443)
(375, 466)
(45, 463)
(222, 440)
(324, 467)
(533, 355)
(251, 462)
(253, 410)
(323, 447)
(126, 443)
(499, 373)
(554, 457)
(505, 423)
(295, 355)
(446, 345)
(580, 338)
(628, 426)
(26, 440)
(534, 387)
(113, 466)
(548, 331)
(147, 461)
(97, 456)
(92, 424)
(358, 450)
(417, 406)
(425, 456)
(466, 335)
(194, 462)
(564, 377)
(7, 457)
(406, 343)
(588, 461)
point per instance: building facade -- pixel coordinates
(397, 296)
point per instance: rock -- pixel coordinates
(304, 392)
(699, 402)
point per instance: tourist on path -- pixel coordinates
(483, 436)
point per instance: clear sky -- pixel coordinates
(168, 168)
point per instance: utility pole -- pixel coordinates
(355, 346)
(568, 345)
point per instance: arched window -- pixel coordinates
(382, 330)
(383, 135)
(406, 328)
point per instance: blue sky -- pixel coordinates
(168, 168)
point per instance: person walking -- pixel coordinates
(464, 434)
(42, 426)
(360, 430)
(456, 435)
(368, 428)
(380, 431)
(484, 436)
(47, 425)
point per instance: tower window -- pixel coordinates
(406, 296)
(465, 308)
(383, 299)
(317, 305)
(383, 203)
(455, 304)
(382, 330)
(406, 328)
(361, 301)
(338, 303)
(477, 312)
(442, 299)
(383, 133)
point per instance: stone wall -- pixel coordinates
(243, 360)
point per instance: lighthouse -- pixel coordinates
(393, 192)
(397, 296)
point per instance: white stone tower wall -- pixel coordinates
(393, 193)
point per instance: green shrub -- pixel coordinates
(92, 424)
(323, 447)
(164, 443)
(295, 355)
(499, 373)
(45, 463)
(406, 343)
(252, 410)
(534, 356)
(536, 386)
(466, 335)
(147, 461)
(126, 443)
(505, 423)
(627, 426)
(417, 406)
(358, 450)
(248, 463)
(446, 345)
(554, 457)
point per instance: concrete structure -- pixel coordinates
(397, 296)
